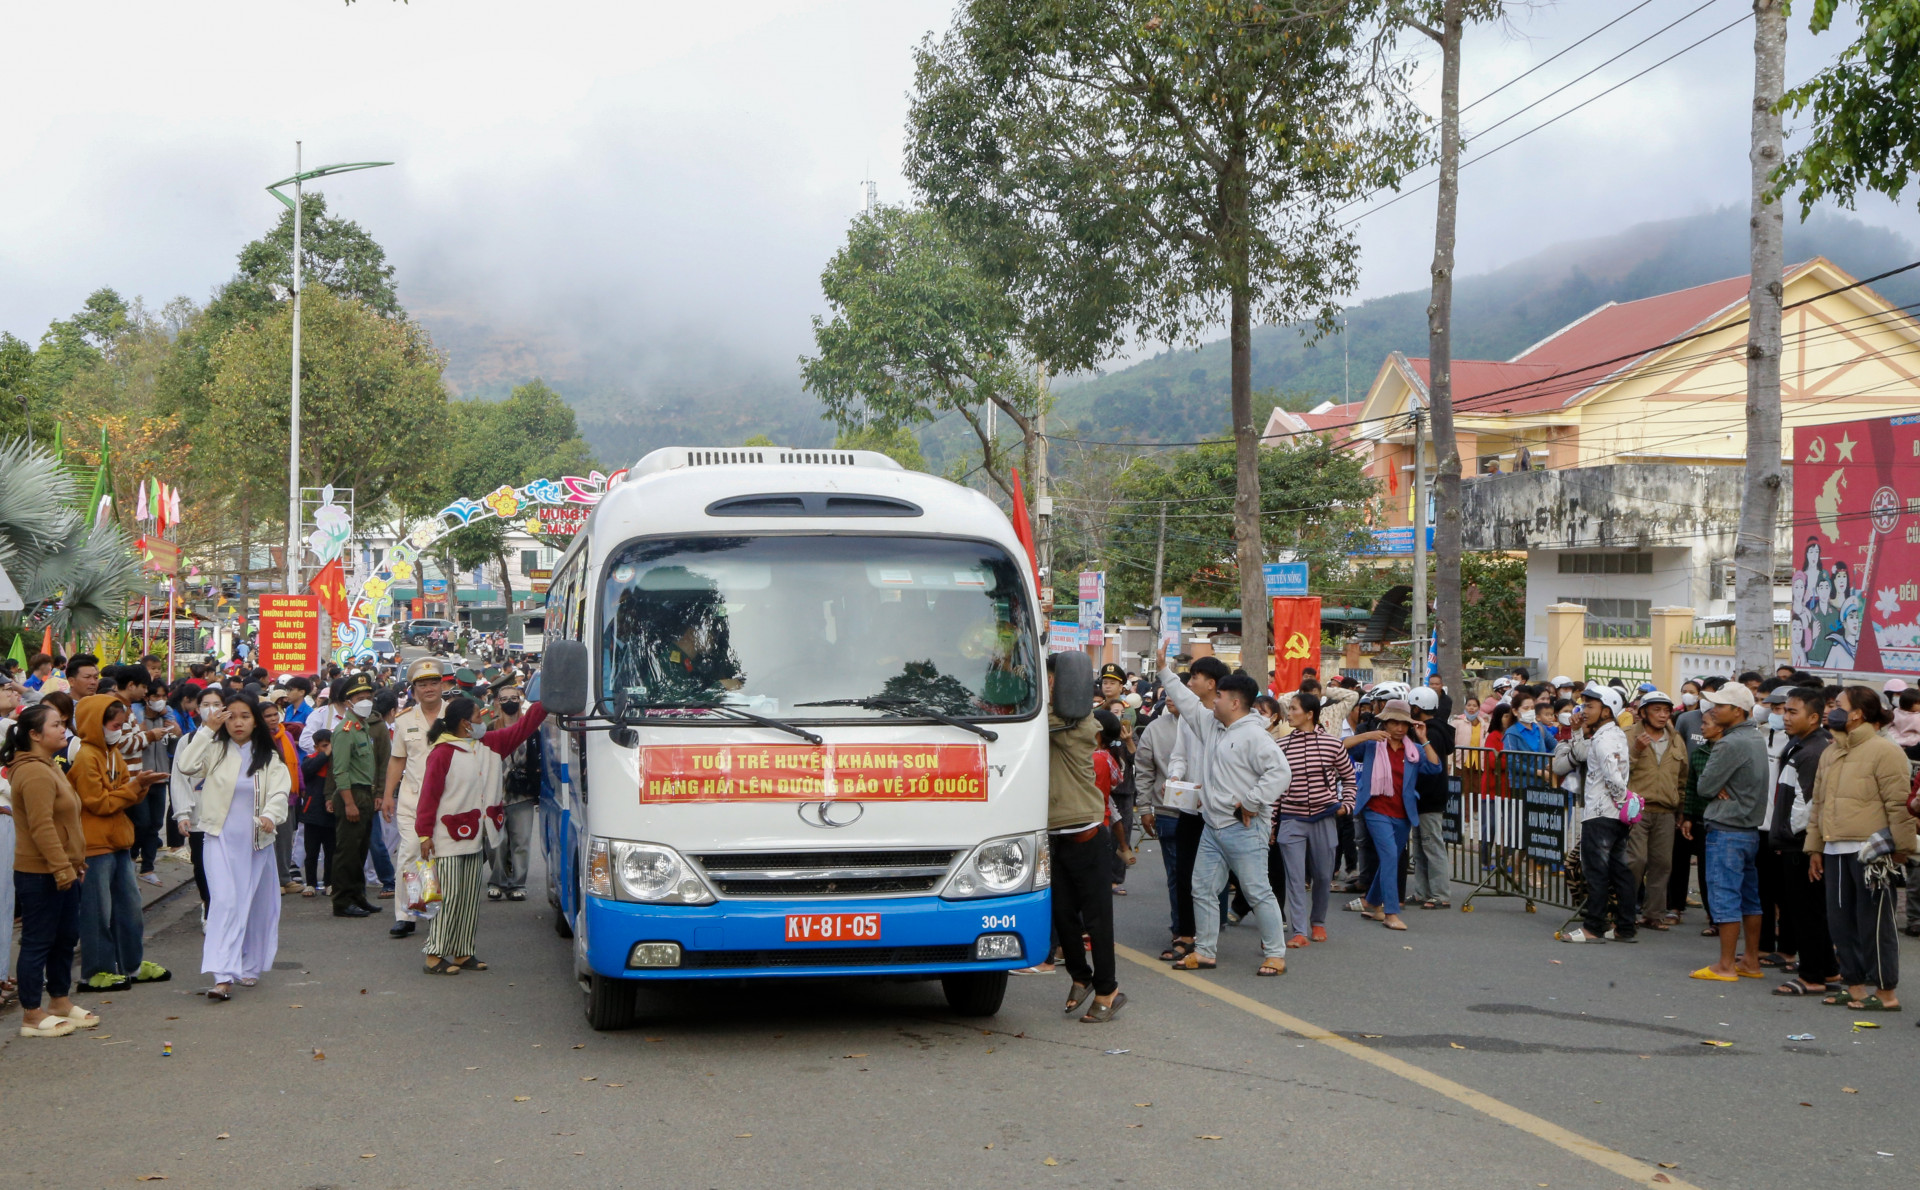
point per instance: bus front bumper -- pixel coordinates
(732, 939)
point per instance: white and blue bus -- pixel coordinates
(797, 728)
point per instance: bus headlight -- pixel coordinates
(651, 873)
(998, 867)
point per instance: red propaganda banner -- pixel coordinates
(289, 634)
(805, 773)
(1296, 639)
(1856, 557)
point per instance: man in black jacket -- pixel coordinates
(1802, 901)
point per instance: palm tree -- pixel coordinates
(71, 575)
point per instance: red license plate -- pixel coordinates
(833, 927)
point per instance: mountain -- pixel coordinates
(1181, 395)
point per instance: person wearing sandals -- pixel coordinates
(460, 804)
(1079, 850)
(49, 865)
(507, 855)
(1859, 803)
(1387, 762)
(244, 787)
(1246, 776)
(1802, 900)
(1735, 792)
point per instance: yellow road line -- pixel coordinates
(1611, 1160)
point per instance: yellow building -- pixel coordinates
(1646, 400)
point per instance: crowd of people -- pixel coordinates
(332, 784)
(1794, 802)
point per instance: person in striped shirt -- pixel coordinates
(1307, 826)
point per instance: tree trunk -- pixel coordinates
(246, 559)
(1446, 451)
(1246, 496)
(1760, 510)
(506, 579)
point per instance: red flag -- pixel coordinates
(1023, 527)
(46, 641)
(1296, 639)
(330, 584)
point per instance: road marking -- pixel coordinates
(1611, 1160)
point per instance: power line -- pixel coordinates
(1556, 57)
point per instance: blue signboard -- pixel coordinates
(1398, 540)
(1285, 578)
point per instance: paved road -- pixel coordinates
(1451, 1055)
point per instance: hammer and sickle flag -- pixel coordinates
(1296, 630)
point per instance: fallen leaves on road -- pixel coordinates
(319, 1056)
(1209, 1136)
(1555, 962)
(656, 1039)
(1804, 1103)
(581, 1046)
(151, 1177)
(521, 1098)
(224, 1136)
(1866, 1024)
(1849, 1090)
(173, 1018)
(1669, 1164)
(470, 1068)
(1718, 1044)
(368, 1156)
(1048, 1161)
(587, 1078)
(856, 1055)
(613, 1084)
(1456, 1045)
(1136, 1125)
(1149, 1104)
(1376, 1036)
(743, 1136)
(1660, 1177)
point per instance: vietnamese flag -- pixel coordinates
(1023, 527)
(330, 584)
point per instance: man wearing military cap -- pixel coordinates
(359, 754)
(405, 769)
(1113, 681)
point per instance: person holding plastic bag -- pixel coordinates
(461, 799)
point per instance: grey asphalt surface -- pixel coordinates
(494, 1079)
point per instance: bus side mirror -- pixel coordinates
(1072, 685)
(563, 678)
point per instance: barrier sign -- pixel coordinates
(1546, 824)
(1450, 817)
(290, 633)
(807, 773)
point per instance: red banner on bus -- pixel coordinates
(805, 773)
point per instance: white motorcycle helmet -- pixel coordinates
(1423, 698)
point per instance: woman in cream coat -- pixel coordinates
(240, 803)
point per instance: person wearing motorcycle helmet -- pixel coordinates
(1432, 884)
(1600, 748)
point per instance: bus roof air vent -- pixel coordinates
(669, 458)
(813, 504)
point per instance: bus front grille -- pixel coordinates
(825, 873)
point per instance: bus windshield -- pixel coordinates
(768, 623)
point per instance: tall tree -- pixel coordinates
(1865, 134)
(1760, 508)
(918, 331)
(1152, 167)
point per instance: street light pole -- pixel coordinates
(296, 205)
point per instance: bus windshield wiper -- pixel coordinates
(900, 705)
(743, 715)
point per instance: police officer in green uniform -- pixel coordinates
(360, 746)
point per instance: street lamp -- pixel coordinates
(293, 453)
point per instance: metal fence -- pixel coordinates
(1508, 827)
(1628, 667)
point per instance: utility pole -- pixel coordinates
(1417, 655)
(1043, 503)
(1346, 359)
(293, 451)
(1760, 510)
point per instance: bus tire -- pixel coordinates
(975, 993)
(561, 925)
(610, 1003)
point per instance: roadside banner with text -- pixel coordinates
(1064, 637)
(1296, 639)
(290, 633)
(1856, 552)
(1093, 606)
(808, 773)
(1172, 607)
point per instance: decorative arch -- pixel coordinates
(373, 597)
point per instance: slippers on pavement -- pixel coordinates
(1710, 973)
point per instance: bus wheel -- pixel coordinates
(976, 993)
(610, 1003)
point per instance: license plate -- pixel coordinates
(833, 927)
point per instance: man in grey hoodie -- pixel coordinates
(1246, 774)
(1735, 786)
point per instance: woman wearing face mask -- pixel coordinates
(185, 790)
(1860, 791)
(112, 930)
(241, 803)
(49, 865)
(460, 795)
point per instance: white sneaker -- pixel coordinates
(150, 877)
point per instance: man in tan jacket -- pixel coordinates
(1657, 771)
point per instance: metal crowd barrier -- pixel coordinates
(1508, 826)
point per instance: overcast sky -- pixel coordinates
(655, 171)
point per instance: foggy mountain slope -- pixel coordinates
(1182, 395)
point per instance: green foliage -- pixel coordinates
(70, 575)
(373, 413)
(1312, 508)
(917, 331)
(335, 253)
(1126, 167)
(1865, 135)
(1493, 603)
(759, 440)
(18, 389)
(896, 442)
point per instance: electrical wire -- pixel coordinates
(1556, 57)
